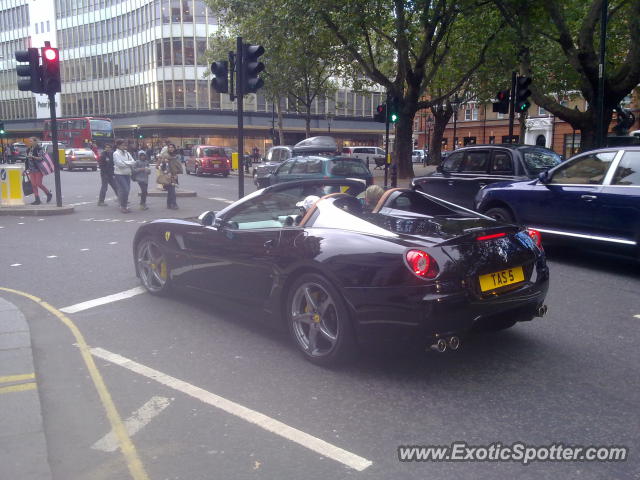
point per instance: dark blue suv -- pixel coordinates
(594, 196)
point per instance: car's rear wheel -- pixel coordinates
(319, 321)
(152, 267)
(500, 214)
(94, 168)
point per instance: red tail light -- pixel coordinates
(421, 264)
(535, 236)
(491, 237)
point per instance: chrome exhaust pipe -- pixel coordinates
(454, 343)
(542, 311)
(440, 346)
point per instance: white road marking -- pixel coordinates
(41, 219)
(16, 264)
(1, 227)
(221, 199)
(79, 307)
(263, 421)
(77, 204)
(133, 424)
(636, 316)
(84, 249)
(52, 256)
(113, 243)
(20, 223)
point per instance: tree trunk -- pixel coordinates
(404, 146)
(307, 121)
(441, 118)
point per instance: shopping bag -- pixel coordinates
(27, 189)
(162, 178)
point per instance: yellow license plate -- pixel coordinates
(491, 281)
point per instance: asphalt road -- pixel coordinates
(571, 377)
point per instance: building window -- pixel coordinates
(542, 111)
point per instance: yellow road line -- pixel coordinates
(128, 449)
(19, 388)
(17, 378)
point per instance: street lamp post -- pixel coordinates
(455, 105)
(329, 119)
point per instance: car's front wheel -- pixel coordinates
(319, 322)
(152, 267)
(500, 214)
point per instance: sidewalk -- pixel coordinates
(23, 447)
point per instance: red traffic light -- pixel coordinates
(502, 95)
(50, 54)
(380, 108)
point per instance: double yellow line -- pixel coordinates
(128, 449)
(19, 381)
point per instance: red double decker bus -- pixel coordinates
(78, 132)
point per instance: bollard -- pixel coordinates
(11, 185)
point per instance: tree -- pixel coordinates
(402, 45)
(558, 44)
(299, 55)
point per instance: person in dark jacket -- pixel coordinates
(140, 175)
(105, 162)
(170, 165)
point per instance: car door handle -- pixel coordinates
(450, 182)
(588, 198)
(482, 184)
(269, 243)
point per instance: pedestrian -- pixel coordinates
(105, 162)
(170, 165)
(94, 149)
(372, 196)
(141, 173)
(34, 170)
(123, 163)
(256, 154)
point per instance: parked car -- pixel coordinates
(274, 157)
(466, 170)
(593, 197)
(314, 167)
(207, 160)
(80, 158)
(18, 152)
(365, 153)
(334, 275)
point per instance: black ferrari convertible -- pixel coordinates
(336, 273)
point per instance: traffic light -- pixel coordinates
(251, 67)
(393, 109)
(523, 93)
(381, 114)
(34, 81)
(502, 102)
(51, 83)
(2, 130)
(220, 81)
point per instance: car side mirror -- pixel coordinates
(207, 218)
(544, 177)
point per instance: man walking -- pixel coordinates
(123, 164)
(105, 162)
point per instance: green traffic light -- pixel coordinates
(394, 118)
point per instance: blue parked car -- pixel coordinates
(594, 196)
(317, 167)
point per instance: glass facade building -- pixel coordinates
(144, 63)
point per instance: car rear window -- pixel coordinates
(538, 160)
(344, 167)
(213, 152)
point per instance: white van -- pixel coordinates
(364, 153)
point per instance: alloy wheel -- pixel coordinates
(152, 266)
(315, 319)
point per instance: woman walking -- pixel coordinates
(171, 166)
(141, 172)
(122, 166)
(32, 167)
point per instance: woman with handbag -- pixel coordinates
(34, 171)
(123, 164)
(169, 169)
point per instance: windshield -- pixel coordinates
(343, 166)
(538, 160)
(100, 126)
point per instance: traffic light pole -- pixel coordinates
(386, 143)
(512, 105)
(240, 97)
(54, 141)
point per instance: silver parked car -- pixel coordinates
(80, 158)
